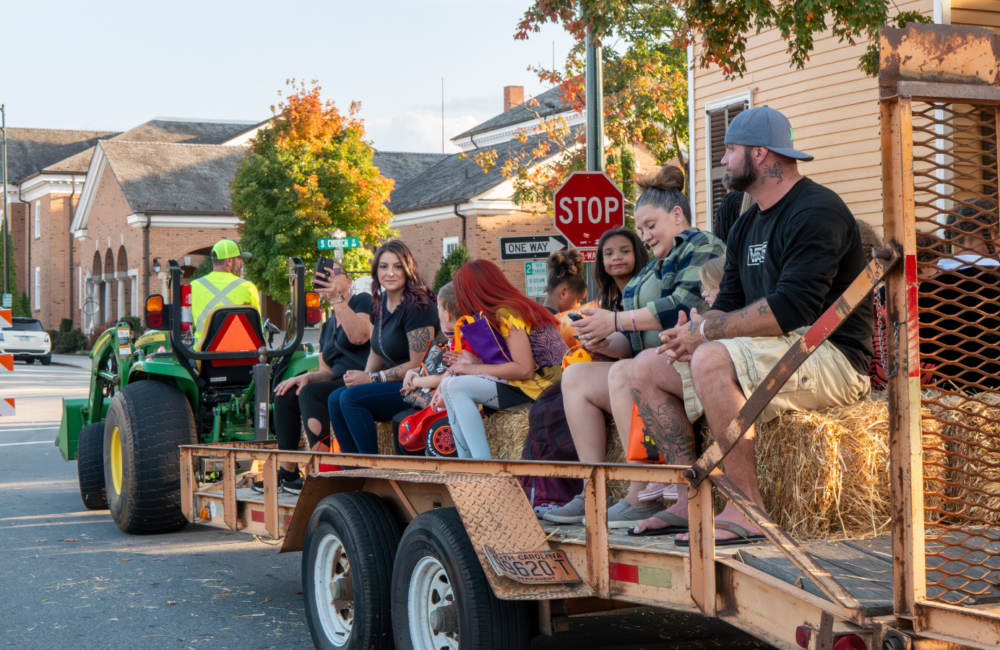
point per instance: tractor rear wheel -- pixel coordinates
(146, 424)
(90, 466)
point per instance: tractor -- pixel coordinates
(149, 394)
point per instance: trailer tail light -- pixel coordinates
(803, 634)
(186, 318)
(313, 313)
(154, 312)
(849, 642)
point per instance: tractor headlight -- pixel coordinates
(46, 338)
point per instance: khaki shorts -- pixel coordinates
(825, 379)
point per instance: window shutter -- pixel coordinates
(718, 123)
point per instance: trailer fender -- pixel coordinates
(494, 510)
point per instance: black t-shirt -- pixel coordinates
(389, 341)
(359, 304)
(959, 325)
(801, 254)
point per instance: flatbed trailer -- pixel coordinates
(450, 549)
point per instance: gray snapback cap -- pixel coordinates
(764, 127)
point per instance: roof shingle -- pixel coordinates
(404, 166)
(549, 103)
(29, 151)
(175, 178)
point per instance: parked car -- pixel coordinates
(27, 341)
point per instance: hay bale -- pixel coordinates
(385, 446)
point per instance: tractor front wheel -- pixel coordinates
(146, 424)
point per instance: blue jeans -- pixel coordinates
(354, 410)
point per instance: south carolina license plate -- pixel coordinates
(537, 567)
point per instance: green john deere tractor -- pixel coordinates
(150, 395)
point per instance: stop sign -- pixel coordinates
(588, 204)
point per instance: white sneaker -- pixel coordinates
(571, 513)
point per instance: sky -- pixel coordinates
(112, 65)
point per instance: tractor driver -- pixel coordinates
(223, 286)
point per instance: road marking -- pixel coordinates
(15, 444)
(2, 430)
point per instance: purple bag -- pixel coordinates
(549, 439)
(484, 340)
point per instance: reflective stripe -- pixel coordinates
(220, 297)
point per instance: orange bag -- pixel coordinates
(321, 446)
(641, 446)
(576, 354)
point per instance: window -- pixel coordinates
(718, 116)
(449, 244)
(38, 221)
(38, 287)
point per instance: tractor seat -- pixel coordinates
(230, 329)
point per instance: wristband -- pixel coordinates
(631, 315)
(618, 323)
(701, 330)
(381, 373)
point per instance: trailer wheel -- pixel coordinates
(440, 596)
(90, 466)
(146, 424)
(347, 558)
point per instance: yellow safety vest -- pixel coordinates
(219, 289)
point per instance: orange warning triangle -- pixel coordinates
(7, 362)
(235, 336)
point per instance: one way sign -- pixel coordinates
(531, 248)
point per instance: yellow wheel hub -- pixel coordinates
(116, 460)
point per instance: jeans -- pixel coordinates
(354, 410)
(292, 411)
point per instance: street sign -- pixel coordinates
(343, 242)
(536, 277)
(586, 205)
(531, 248)
(8, 301)
(589, 255)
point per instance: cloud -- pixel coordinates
(418, 131)
(486, 104)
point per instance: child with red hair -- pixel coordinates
(536, 352)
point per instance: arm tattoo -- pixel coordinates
(393, 374)
(419, 339)
(775, 171)
(718, 328)
(668, 426)
(693, 328)
(762, 308)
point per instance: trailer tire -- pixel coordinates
(90, 466)
(440, 595)
(146, 424)
(351, 532)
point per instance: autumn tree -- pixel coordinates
(310, 173)
(645, 104)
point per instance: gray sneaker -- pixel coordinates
(622, 515)
(571, 513)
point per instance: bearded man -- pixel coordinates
(789, 258)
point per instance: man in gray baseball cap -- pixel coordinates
(788, 259)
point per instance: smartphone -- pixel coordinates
(324, 266)
(574, 317)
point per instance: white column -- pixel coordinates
(109, 301)
(135, 295)
(121, 298)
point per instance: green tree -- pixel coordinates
(722, 27)
(203, 269)
(19, 304)
(309, 174)
(453, 262)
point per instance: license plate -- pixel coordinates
(24, 338)
(536, 567)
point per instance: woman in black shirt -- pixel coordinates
(404, 322)
(344, 346)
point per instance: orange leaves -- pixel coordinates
(303, 118)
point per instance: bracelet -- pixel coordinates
(701, 330)
(381, 373)
(618, 323)
(631, 315)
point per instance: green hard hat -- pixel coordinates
(227, 248)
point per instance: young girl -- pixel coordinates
(567, 287)
(448, 314)
(711, 278)
(532, 338)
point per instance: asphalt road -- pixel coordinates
(70, 579)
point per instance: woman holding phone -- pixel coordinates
(344, 345)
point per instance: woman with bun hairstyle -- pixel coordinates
(533, 341)
(567, 287)
(404, 322)
(651, 301)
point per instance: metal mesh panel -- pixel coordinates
(955, 191)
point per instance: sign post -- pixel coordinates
(536, 277)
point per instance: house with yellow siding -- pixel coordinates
(832, 105)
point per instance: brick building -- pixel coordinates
(454, 202)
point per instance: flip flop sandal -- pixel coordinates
(744, 536)
(677, 526)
